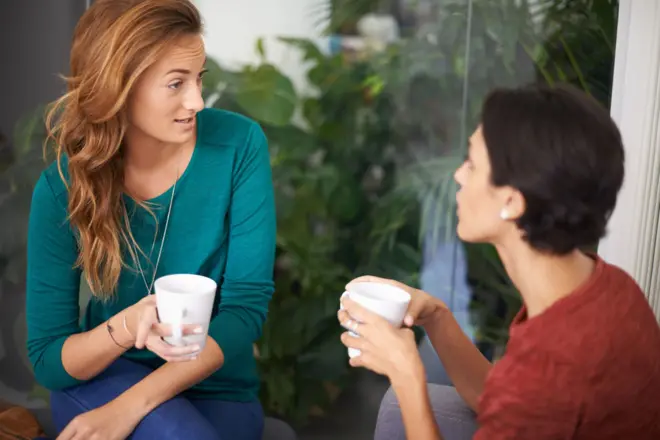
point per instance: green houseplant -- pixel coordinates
(386, 128)
(338, 214)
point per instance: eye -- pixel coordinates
(201, 75)
(175, 85)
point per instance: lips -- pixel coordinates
(184, 121)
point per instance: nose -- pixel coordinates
(458, 173)
(193, 100)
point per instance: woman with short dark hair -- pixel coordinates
(540, 181)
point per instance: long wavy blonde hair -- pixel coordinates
(114, 42)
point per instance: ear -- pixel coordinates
(513, 206)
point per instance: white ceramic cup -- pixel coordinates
(185, 299)
(385, 300)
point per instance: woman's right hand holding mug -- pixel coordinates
(423, 308)
(147, 331)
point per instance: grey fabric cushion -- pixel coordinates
(275, 429)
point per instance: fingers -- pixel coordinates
(347, 322)
(359, 313)
(148, 318)
(75, 430)
(172, 353)
(363, 329)
(359, 361)
(408, 334)
(367, 357)
(357, 342)
(414, 309)
(368, 361)
(69, 432)
(164, 330)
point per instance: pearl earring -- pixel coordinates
(504, 214)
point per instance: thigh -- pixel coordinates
(175, 419)
(233, 420)
(454, 418)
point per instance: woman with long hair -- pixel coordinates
(147, 183)
(540, 181)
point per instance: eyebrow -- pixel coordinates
(185, 71)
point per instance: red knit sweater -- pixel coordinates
(586, 368)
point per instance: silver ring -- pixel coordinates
(352, 325)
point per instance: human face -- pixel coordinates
(168, 95)
(480, 204)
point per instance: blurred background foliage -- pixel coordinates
(363, 162)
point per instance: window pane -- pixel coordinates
(368, 106)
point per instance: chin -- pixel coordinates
(466, 235)
(460, 231)
(180, 138)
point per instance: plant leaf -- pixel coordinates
(267, 95)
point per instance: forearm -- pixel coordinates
(465, 365)
(171, 379)
(84, 355)
(416, 411)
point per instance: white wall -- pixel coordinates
(634, 229)
(232, 28)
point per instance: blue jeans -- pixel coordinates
(178, 418)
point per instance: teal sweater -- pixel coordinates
(222, 226)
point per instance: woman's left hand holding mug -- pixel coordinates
(143, 324)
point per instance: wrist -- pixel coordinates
(129, 321)
(409, 390)
(440, 316)
(412, 375)
(120, 330)
(132, 406)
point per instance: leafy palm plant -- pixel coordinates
(341, 16)
(334, 171)
(439, 78)
(577, 44)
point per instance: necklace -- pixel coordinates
(150, 286)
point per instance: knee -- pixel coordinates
(174, 420)
(451, 413)
(63, 409)
(447, 403)
(389, 425)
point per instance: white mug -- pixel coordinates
(185, 299)
(385, 300)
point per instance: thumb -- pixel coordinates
(414, 309)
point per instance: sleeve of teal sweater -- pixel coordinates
(247, 284)
(53, 286)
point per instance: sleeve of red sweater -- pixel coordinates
(529, 397)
